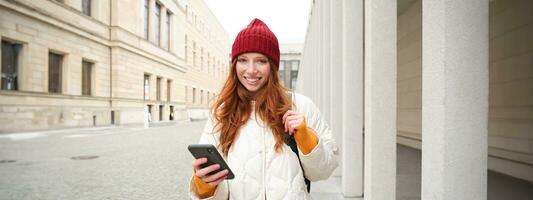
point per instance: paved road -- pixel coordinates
(137, 163)
(107, 163)
(98, 163)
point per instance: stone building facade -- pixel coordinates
(93, 62)
(207, 53)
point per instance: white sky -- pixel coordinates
(286, 18)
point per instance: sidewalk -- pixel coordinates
(121, 150)
(136, 159)
(329, 189)
(408, 182)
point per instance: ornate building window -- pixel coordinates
(86, 77)
(55, 75)
(10, 65)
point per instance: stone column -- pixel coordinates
(380, 100)
(326, 68)
(335, 78)
(352, 98)
(455, 99)
(317, 73)
(319, 58)
(316, 51)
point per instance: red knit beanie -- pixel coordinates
(258, 38)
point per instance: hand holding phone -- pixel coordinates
(211, 169)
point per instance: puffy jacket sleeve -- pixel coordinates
(322, 161)
(210, 137)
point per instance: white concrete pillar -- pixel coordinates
(380, 100)
(455, 99)
(320, 51)
(326, 68)
(303, 86)
(352, 98)
(335, 76)
(318, 59)
(316, 51)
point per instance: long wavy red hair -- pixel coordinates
(232, 108)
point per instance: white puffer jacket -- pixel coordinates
(261, 172)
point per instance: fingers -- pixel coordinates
(215, 183)
(216, 178)
(294, 124)
(284, 119)
(206, 170)
(203, 173)
(291, 120)
(196, 163)
(289, 112)
(288, 122)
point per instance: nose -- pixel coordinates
(252, 68)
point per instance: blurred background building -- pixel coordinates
(289, 64)
(80, 63)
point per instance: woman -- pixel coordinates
(248, 123)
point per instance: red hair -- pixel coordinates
(233, 107)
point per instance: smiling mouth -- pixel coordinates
(253, 81)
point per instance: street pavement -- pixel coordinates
(98, 163)
(107, 163)
(137, 163)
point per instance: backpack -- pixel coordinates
(291, 142)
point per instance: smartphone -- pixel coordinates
(213, 157)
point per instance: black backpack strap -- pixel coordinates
(291, 142)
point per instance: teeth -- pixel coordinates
(252, 79)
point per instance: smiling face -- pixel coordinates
(252, 70)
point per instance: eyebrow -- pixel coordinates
(261, 57)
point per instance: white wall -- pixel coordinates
(409, 115)
(511, 88)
